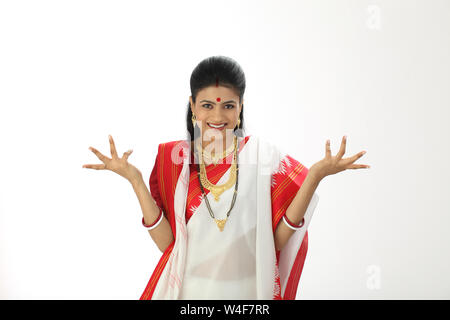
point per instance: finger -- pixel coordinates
(95, 166)
(98, 154)
(327, 149)
(341, 152)
(354, 158)
(112, 147)
(358, 166)
(127, 154)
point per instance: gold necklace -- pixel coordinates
(214, 159)
(217, 190)
(221, 222)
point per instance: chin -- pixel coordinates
(218, 135)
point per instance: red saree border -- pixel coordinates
(151, 285)
(289, 183)
(294, 276)
(166, 189)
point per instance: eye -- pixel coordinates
(232, 106)
(206, 104)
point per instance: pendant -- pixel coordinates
(221, 223)
(217, 192)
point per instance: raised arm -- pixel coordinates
(162, 233)
(329, 165)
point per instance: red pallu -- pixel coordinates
(163, 180)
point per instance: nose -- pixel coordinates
(218, 116)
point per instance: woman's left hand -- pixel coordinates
(334, 164)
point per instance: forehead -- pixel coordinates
(213, 92)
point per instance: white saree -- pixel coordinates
(240, 261)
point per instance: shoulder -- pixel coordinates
(277, 159)
(265, 143)
(170, 145)
(267, 149)
(173, 150)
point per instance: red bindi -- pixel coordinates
(218, 99)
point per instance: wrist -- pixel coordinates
(136, 181)
(315, 174)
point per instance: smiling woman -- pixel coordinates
(221, 241)
(224, 194)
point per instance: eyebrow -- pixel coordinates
(215, 103)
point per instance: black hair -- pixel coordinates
(216, 70)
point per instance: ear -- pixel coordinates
(192, 104)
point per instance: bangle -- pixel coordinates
(291, 225)
(154, 224)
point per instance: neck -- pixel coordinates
(216, 147)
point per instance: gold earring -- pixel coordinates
(239, 122)
(194, 118)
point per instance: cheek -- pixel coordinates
(233, 118)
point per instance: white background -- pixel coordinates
(72, 72)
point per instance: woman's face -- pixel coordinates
(216, 106)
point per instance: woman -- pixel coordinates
(218, 198)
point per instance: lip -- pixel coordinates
(216, 124)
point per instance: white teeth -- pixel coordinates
(214, 126)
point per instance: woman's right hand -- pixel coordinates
(116, 164)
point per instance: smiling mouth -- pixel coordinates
(216, 126)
